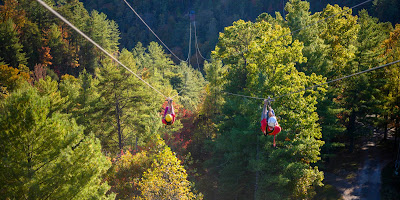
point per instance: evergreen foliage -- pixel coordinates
(11, 48)
(40, 152)
(67, 110)
(122, 100)
(263, 68)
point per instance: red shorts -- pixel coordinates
(263, 125)
(274, 131)
(271, 131)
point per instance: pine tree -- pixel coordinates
(10, 47)
(124, 102)
(47, 156)
(49, 88)
(392, 74)
(190, 83)
(361, 94)
(300, 22)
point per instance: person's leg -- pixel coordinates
(264, 126)
(274, 142)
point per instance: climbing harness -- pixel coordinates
(266, 121)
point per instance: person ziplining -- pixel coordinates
(169, 114)
(268, 116)
(269, 123)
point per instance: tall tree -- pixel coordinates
(258, 67)
(361, 94)
(392, 74)
(190, 83)
(11, 48)
(305, 29)
(166, 178)
(47, 156)
(124, 100)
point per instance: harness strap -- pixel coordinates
(269, 132)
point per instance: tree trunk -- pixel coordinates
(351, 129)
(396, 133)
(136, 143)
(117, 111)
(257, 172)
(385, 128)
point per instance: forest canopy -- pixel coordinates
(75, 124)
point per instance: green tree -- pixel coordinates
(10, 46)
(340, 34)
(166, 178)
(105, 32)
(190, 83)
(362, 94)
(124, 102)
(11, 79)
(260, 62)
(85, 103)
(49, 88)
(392, 74)
(300, 22)
(47, 156)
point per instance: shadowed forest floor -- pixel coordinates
(357, 175)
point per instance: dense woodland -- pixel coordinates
(171, 19)
(76, 125)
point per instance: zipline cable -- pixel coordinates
(190, 40)
(344, 77)
(197, 44)
(239, 95)
(188, 59)
(190, 43)
(318, 85)
(94, 43)
(153, 32)
(196, 49)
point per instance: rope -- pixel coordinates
(190, 40)
(94, 43)
(188, 60)
(322, 20)
(196, 47)
(318, 85)
(197, 44)
(344, 77)
(239, 95)
(153, 32)
(190, 43)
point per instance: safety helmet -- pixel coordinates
(272, 121)
(168, 118)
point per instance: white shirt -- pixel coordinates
(272, 121)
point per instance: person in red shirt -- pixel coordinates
(169, 114)
(269, 124)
